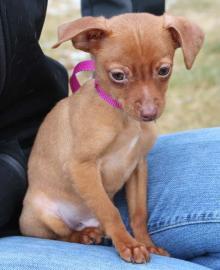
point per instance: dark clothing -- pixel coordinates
(30, 85)
(109, 8)
(30, 82)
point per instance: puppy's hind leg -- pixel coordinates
(52, 227)
(46, 226)
(91, 235)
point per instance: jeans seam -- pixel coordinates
(178, 221)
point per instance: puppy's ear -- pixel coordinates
(86, 33)
(186, 35)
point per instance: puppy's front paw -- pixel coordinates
(158, 251)
(132, 251)
(135, 254)
(146, 240)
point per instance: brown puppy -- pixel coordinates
(86, 150)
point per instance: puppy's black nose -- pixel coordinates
(149, 113)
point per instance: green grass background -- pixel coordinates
(193, 98)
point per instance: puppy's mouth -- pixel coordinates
(148, 118)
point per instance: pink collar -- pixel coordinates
(89, 65)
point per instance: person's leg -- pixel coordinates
(107, 8)
(23, 253)
(156, 7)
(210, 259)
(183, 197)
(12, 185)
(193, 241)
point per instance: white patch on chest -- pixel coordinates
(76, 217)
(133, 143)
(119, 164)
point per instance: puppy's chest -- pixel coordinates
(121, 159)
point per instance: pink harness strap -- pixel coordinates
(89, 65)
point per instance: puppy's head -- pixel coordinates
(134, 55)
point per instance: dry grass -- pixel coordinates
(194, 96)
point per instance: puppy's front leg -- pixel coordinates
(87, 181)
(136, 193)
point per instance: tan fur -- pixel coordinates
(86, 150)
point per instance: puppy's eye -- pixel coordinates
(118, 76)
(164, 71)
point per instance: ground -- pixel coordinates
(193, 99)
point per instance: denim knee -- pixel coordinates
(184, 188)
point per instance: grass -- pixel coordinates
(193, 99)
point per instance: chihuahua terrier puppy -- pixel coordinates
(86, 150)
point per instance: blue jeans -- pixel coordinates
(184, 215)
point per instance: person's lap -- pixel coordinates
(184, 215)
(29, 253)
